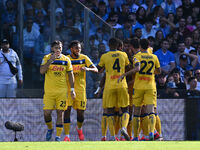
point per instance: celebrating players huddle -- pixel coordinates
(129, 86)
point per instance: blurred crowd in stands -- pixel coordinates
(172, 27)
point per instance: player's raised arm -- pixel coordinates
(45, 67)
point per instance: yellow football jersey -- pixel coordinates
(79, 75)
(145, 78)
(55, 77)
(114, 63)
(150, 50)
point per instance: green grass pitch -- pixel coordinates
(136, 145)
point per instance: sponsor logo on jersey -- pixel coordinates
(57, 68)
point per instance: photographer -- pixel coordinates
(9, 67)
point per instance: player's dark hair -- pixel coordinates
(56, 42)
(113, 43)
(144, 43)
(135, 43)
(120, 44)
(74, 43)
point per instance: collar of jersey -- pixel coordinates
(113, 50)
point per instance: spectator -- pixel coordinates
(181, 87)
(8, 19)
(124, 13)
(148, 30)
(165, 26)
(187, 75)
(148, 6)
(195, 12)
(181, 50)
(112, 7)
(101, 48)
(184, 65)
(161, 85)
(183, 31)
(141, 15)
(30, 36)
(166, 58)
(8, 81)
(158, 39)
(168, 7)
(101, 10)
(188, 44)
(135, 24)
(179, 14)
(133, 5)
(119, 34)
(189, 23)
(152, 42)
(187, 7)
(127, 29)
(138, 33)
(197, 75)
(193, 92)
(196, 36)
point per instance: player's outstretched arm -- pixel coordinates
(132, 71)
(92, 68)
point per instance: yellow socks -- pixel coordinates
(152, 122)
(79, 124)
(125, 119)
(104, 124)
(136, 125)
(49, 124)
(158, 124)
(110, 120)
(59, 129)
(145, 124)
(117, 121)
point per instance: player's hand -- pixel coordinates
(53, 57)
(120, 78)
(73, 94)
(84, 68)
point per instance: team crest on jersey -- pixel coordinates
(63, 62)
(81, 62)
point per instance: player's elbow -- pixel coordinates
(42, 70)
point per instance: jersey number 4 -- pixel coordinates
(116, 65)
(145, 64)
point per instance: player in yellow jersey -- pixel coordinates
(80, 63)
(145, 67)
(115, 95)
(56, 67)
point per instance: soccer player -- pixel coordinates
(115, 94)
(145, 67)
(56, 67)
(80, 63)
